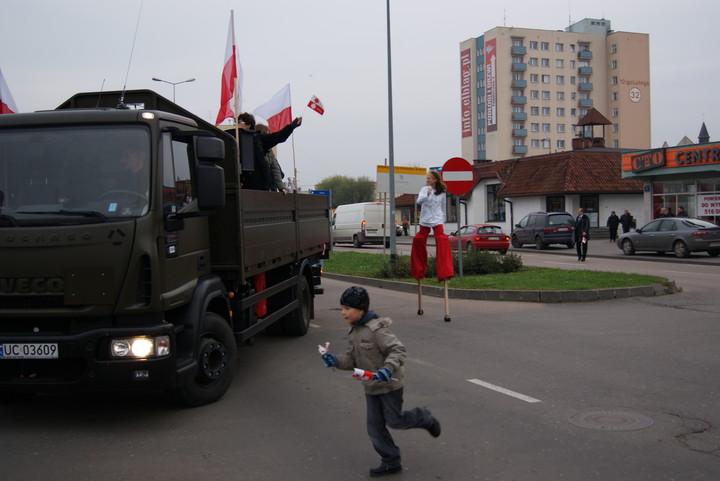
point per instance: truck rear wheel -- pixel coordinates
(297, 322)
(217, 359)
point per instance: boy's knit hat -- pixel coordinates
(356, 297)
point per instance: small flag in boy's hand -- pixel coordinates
(316, 105)
(322, 350)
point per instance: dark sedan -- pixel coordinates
(481, 236)
(673, 234)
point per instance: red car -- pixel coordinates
(481, 236)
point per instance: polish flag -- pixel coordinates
(7, 104)
(231, 81)
(277, 111)
(316, 105)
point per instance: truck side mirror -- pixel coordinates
(210, 186)
(210, 149)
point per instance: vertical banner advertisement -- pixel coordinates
(465, 93)
(491, 84)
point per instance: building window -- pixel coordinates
(545, 62)
(572, 80)
(518, 92)
(615, 112)
(572, 48)
(517, 42)
(615, 128)
(583, 112)
(533, 78)
(519, 142)
(560, 144)
(561, 95)
(534, 95)
(546, 110)
(546, 128)
(616, 144)
(613, 64)
(535, 143)
(517, 59)
(546, 79)
(614, 96)
(534, 127)
(533, 61)
(544, 45)
(559, 47)
(559, 63)
(517, 76)
(545, 143)
(573, 112)
(495, 205)
(560, 79)
(561, 128)
(573, 95)
(572, 64)
(517, 125)
(534, 110)
(546, 95)
(533, 45)
(613, 81)
(613, 48)
(560, 112)
(555, 203)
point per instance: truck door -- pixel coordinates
(184, 247)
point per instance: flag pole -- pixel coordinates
(292, 142)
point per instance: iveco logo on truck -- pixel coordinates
(26, 285)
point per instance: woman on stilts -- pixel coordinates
(432, 216)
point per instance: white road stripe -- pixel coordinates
(502, 390)
(314, 325)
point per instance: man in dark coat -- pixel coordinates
(581, 234)
(612, 223)
(626, 221)
(261, 177)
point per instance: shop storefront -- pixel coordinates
(686, 177)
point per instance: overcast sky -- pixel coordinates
(336, 49)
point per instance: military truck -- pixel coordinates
(130, 256)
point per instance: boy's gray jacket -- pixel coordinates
(373, 346)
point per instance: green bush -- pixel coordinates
(475, 262)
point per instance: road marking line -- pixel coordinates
(502, 390)
(315, 325)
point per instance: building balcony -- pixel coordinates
(519, 115)
(518, 50)
(519, 132)
(519, 84)
(519, 100)
(585, 103)
(585, 87)
(585, 71)
(585, 55)
(520, 149)
(519, 67)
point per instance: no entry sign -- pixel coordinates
(457, 173)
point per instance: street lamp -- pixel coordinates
(173, 83)
(391, 156)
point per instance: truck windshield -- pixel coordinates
(92, 173)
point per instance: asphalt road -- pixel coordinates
(611, 390)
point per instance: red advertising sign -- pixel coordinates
(457, 173)
(465, 93)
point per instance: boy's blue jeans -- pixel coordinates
(385, 410)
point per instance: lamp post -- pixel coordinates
(173, 83)
(391, 156)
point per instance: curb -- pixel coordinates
(550, 297)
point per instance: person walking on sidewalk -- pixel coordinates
(581, 234)
(612, 224)
(374, 348)
(626, 221)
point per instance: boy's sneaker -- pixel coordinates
(434, 428)
(383, 470)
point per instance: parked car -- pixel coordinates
(481, 236)
(679, 235)
(543, 229)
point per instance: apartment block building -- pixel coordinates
(524, 90)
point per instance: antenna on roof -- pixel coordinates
(121, 104)
(100, 94)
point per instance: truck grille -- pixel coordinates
(39, 371)
(31, 302)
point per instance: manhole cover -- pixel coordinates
(611, 420)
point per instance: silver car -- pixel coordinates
(673, 234)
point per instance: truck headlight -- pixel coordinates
(140, 347)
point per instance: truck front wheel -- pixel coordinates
(217, 359)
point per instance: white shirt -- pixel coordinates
(432, 211)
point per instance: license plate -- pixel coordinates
(28, 350)
(493, 238)
(563, 229)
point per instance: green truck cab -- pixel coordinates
(130, 256)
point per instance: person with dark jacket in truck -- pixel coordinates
(261, 178)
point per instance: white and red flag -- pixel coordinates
(277, 111)
(7, 104)
(316, 105)
(232, 77)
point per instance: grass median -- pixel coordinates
(526, 278)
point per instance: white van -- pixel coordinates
(363, 223)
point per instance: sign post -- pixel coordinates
(457, 173)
